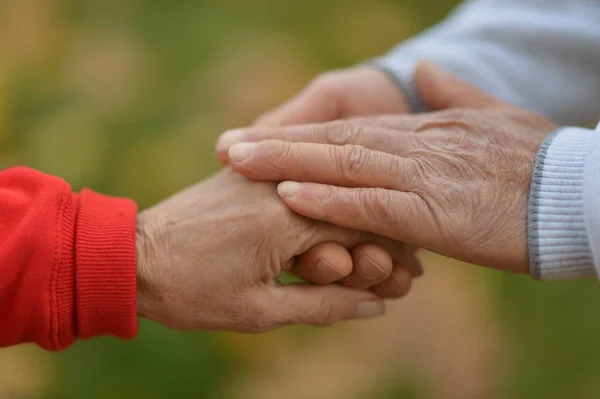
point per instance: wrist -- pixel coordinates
(151, 244)
(143, 252)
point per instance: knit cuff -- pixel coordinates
(403, 78)
(559, 247)
(405, 82)
(105, 258)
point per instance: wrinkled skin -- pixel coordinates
(345, 93)
(208, 258)
(455, 182)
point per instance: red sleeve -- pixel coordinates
(67, 262)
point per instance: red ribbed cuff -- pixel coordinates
(105, 271)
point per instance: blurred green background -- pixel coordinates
(128, 96)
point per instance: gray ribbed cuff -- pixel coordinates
(559, 247)
(404, 80)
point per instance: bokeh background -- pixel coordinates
(128, 96)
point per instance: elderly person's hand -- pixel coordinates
(455, 182)
(208, 258)
(362, 90)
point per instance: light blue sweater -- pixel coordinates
(543, 55)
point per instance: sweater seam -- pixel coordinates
(55, 340)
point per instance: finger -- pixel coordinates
(397, 285)
(332, 234)
(324, 263)
(402, 216)
(413, 264)
(394, 122)
(337, 132)
(315, 305)
(377, 246)
(349, 165)
(441, 90)
(372, 265)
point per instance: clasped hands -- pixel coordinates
(356, 197)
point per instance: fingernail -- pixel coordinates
(229, 138)
(288, 188)
(241, 151)
(367, 264)
(325, 269)
(370, 308)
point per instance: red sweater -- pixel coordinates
(67, 262)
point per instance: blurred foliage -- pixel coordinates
(128, 96)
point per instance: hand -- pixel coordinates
(455, 182)
(208, 258)
(340, 94)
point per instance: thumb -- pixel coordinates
(313, 105)
(319, 305)
(440, 90)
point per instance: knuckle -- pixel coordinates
(327, 315)
(376, 203)
(356, 157)
(353, 161)
(330, 196)
(285, 153)
(342, 132)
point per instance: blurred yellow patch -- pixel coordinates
(256, 72)
(69, 145)
(25, 371)
(157, 167)
(362, 30)
(252, 349)
(4, 104)
(30, 31)
(108, 70)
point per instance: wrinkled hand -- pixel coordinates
(339, 94)
(455, 182)
(208, 258)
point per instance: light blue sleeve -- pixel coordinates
(542, 55)
(564, 206)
